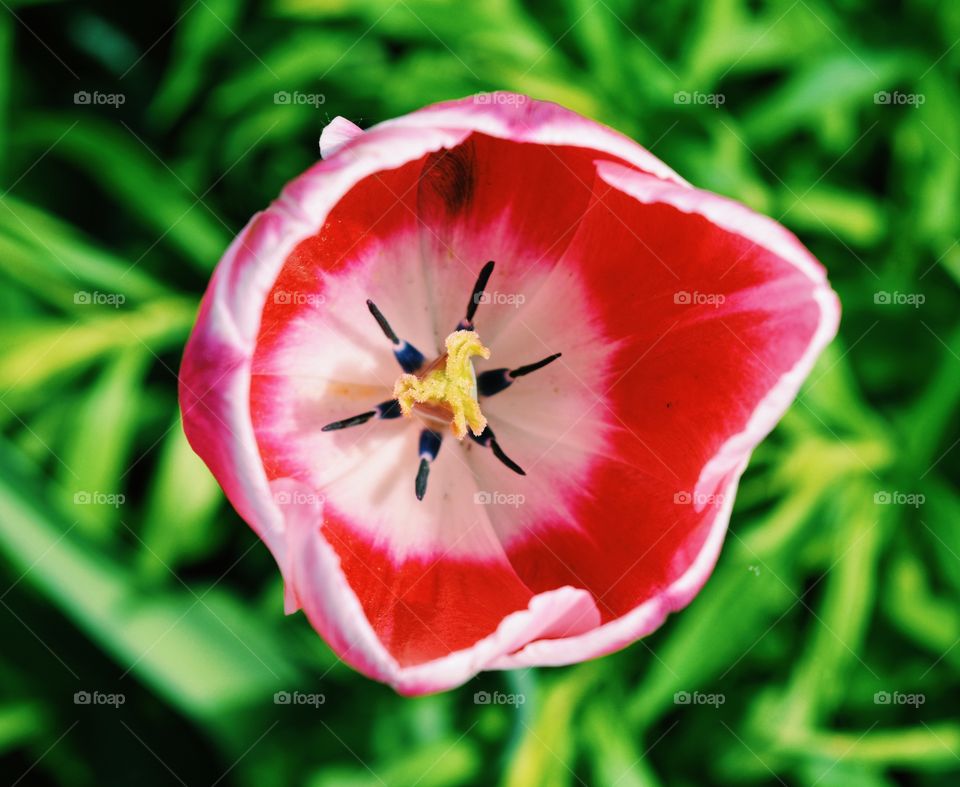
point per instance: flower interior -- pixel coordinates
(445, 391)
(472, 495)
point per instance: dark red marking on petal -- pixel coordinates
(450, 176)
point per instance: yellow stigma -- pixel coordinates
(450, 388)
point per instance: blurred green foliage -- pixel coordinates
(122, 570)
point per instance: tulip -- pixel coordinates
(484, 381)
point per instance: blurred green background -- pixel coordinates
(137, 140)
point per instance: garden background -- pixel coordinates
(137, 139)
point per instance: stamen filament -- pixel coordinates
(429, 448)
(488, 439)
(493, 381)
(532, 367)
(382, 322)
(408, 356)
(354, 420)
(384, 410)
(466, 324)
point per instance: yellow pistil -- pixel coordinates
(450, 387)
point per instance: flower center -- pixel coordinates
(446, 391)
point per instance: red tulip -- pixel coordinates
(484, 380)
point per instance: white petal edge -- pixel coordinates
(337, 133)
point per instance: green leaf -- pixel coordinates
(179, 523)
(95, 454)
(199, 649)
(751, 589)
(931, 747)
(842, 81)
(544, 756)
(19, 723)
(201, 32)
(617, 757)
(49, 248)
(40, 351)
(139, 181)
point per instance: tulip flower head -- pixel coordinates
(484, 381)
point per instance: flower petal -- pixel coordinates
(431, 576)
(519, 118)
(335, 611)
(653, 397)
(216, 368)
(695, 386)
(337, 133)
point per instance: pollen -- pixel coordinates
(447, 387)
